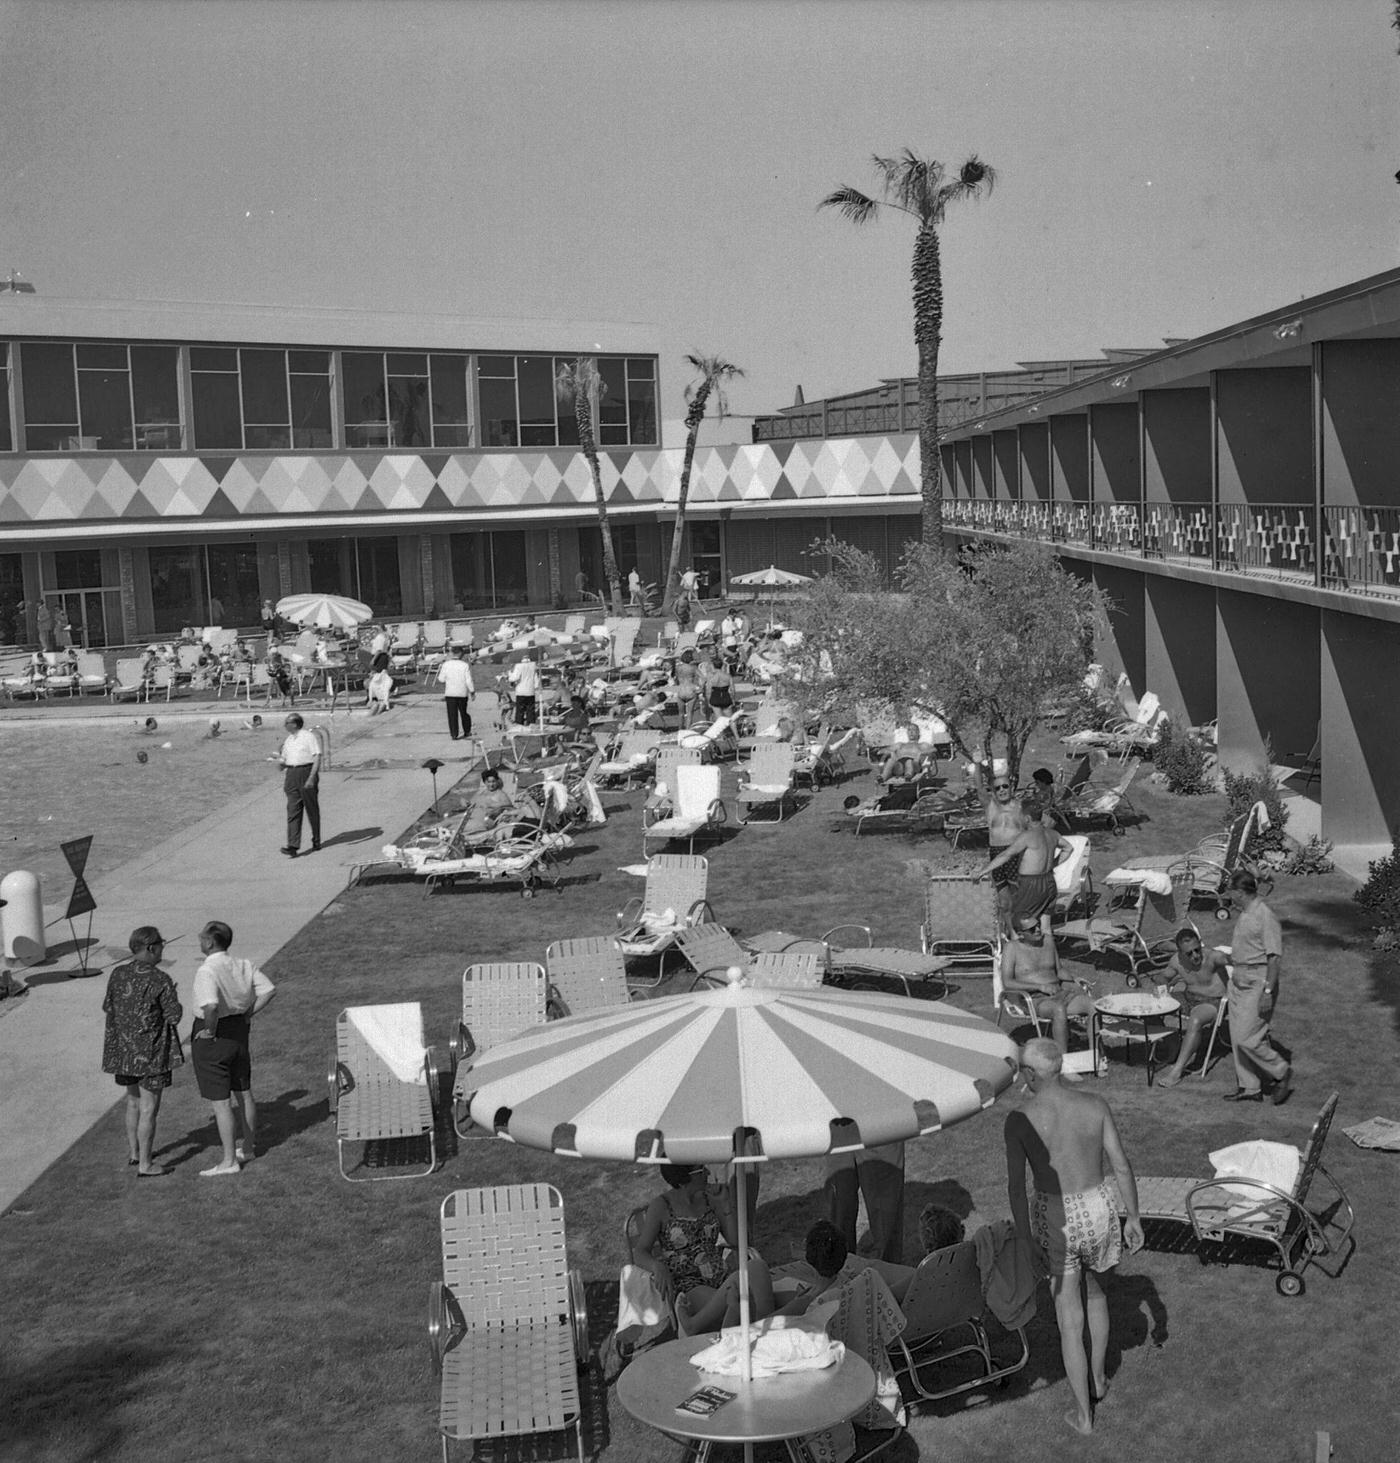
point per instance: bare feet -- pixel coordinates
(1083, 1425)
(1169, 1079)
(1099, 1392)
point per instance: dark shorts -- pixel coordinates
(223, 1063)
(1032, 896)
(1004, 876)
(152, 1081)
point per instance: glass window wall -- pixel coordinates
(177, 588)
(329, 564)
(489, 570)
(7, 440)
(522, 407)
(234, 597)
(379, 587)
(405, 399)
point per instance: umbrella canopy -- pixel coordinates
(326, 611)
(770, 578)
(674, 1080)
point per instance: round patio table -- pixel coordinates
(765, 1410)
(1128, 1007)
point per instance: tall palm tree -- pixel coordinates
(578, 383)
(715, 373)
(923, 189)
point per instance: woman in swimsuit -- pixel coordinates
(683, 1242)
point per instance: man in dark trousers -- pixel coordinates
(301, 760)
(455, 677)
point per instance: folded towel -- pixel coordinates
(1275, 1164)
(1153, 880)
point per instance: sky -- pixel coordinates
(1165, 167)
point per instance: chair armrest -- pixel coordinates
(630, 913)
(843, 929)
(337, 1081)
(457, 1047)
(700, 913)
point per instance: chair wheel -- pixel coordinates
(1132, 981)
(1222, 913)
(1290, 1283)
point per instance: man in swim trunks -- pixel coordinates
(1030, 966)
(1038, 850)
(1069, 1224)
(1202, 974)
(1005, 823)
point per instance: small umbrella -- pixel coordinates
(685, 1079)
(326, 611)
(771, 579)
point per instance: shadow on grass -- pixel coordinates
(279, 1120)
(352, 835)
(67, 1404)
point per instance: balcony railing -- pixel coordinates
(1360, 543)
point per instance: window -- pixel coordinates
(328, 563)
(405, 399)
(363, 568)
(13, 628)
(521, 407)
(451, 413)
(261, 400)
(155, 397)
(627, 402)
(310, 375)
(7, 440)
(234, 597)
(641, 400)
(500, 422)
(489, 570)
(177, 597)
(218, 420)
(508, 568)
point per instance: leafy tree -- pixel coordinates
(923, 189)
(715, 373)
(990, 641)
(578, 383)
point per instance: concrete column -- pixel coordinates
(983, 476)
(1179, 647)
(126, 578)
(1360, 672)
(1267, 668)
(1035, 462)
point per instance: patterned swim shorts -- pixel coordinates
(1078, 1230)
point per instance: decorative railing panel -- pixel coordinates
(1069, 522)
(1362, 549)
(1177, 531)
(1118, 527)
(1267, 538)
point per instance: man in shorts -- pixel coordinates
(1030, 966)
(1068, 1226)
(1202, 974)
(1033, 852)
(228, 993)
(1005, 823)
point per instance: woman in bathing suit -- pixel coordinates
(682, 1241)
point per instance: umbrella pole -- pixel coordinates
(742, 1186)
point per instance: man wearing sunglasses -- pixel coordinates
(1005, 823)
(1030, 966)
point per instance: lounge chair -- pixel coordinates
(508, 1322)
(588, 974)
(1109, 804)
(1139, 927)
(854, 961)
(960, 921)
(128, 680)
(404, 646)
(696, 808)
(1309, 763)
(461, 636)
(1252, 1210)
(433, 646)
(714, 742)
(630, 758)
(766, 780)
(498, 1000)
(675, 896)
(1214, 861)
(786, 970)
(945, 1297)
(1074, 881)
(712, 951)
(383, 1082)
(92, 673)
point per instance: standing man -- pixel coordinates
(228, 993)
(1005, 822)
(300, 759)
(43, 625)
(456, 679)
(141, 1044)
(1256, 953)
(525, 681)
(1035, 850)
(1069, 1228)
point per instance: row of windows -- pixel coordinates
(105, 397)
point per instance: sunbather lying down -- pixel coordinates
(897, 799)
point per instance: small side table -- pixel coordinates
(1130, 1007)
(766, 1410)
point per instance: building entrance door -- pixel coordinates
(86, 616)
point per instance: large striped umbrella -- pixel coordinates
(326, 611)
(685, 1078)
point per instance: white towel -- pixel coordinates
(773, 1349)
(1275, 1164)
(396, 1034)
(1155, 881)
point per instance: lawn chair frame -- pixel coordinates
(960, 921)
(498, 1000)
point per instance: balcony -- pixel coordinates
(1360, 544)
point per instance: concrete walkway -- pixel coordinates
(228, 867)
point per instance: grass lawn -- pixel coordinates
(282, 1314)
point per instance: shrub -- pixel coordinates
(1312, 857)
(1379, 896)
(1184, 762)
(1244, 789)
(1085, 712)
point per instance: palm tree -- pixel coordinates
(923, 189)
(715, 373)
(579, 382)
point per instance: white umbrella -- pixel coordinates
(772, 579)
(685, 1078)
(326, 611)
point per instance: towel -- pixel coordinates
(642, 1315)
(1275, 1164)
(396, 1034)
(774, 1349)
(1008, 1281)
(1155, 881)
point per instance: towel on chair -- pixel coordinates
(642, 1315)
(1155, 881)
(1275, 1164)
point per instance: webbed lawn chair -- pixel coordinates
(675, 896)
(1309, 763)
(1074, 883)
(912, 808)
(668, 758)
(714, 742)
(128, 680)
(588, 974)
(461, 636)
(960, 921)
(697, 808)
(162, 679)
(433, 646)
(383, 1083)
(1235, 1208)
(187, 661)
(508, 1323)
(1109, 804)
(498, 1000)
(711, 951)
(945, 1298)
(1139, 927)
(767, 780)
(631, 758)
(786, 970)
(766, 716)
(57, 676)
(622, 643)
(92, 673)
(855, 962)
(1020, 1007)
(1214, 861)
(403, 648)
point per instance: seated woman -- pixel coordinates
(682, 1241)
(491, 805)
(830, 1265)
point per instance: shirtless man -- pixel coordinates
(1030, 965)
(1202, 974)
(1038, 850)
(1005, 821)
(1069, 1227)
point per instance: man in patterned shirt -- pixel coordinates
(141, 1045)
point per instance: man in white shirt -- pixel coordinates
(525, 679)
(228, 993)
(301, 760)
(456, 679)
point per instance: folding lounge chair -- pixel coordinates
(1074, 882)
(960, 921)
(786, 970)
(383, 1082)
(127, 680)
(675, 896)
(92, 673)
(461, 636)
(631, 759)
(434, 645)
(944, 1298)
(926, 811)
(711, 951)
(697, 808)
(768, 783)
(57, 676)
(854, 961)
(508, 1322)
(1109, 804)
(1221, 1209)
(713, 742)
(1140, 929)
(1019, 1006)
(497, 1001)
(1309, 763)
(1213, 862)
(588, 974)
(403, 648)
